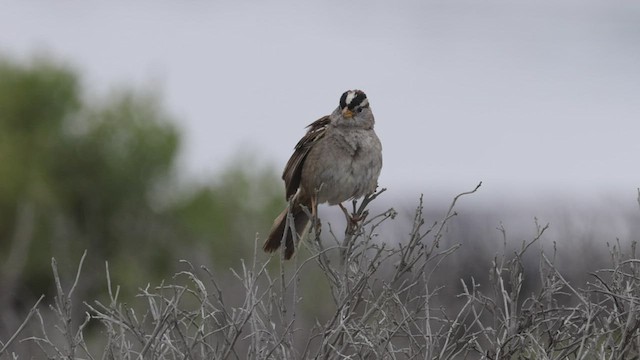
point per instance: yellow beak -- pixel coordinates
(347, 113)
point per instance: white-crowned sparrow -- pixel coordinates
(338, 159)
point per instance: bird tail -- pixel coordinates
(281, 232)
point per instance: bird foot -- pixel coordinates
(353, 219)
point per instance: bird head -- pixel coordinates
(354, 108)
(353, 102)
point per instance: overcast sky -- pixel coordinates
(531, 97)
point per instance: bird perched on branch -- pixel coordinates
(338, 159)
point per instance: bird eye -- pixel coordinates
(359, 110)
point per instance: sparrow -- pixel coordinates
(338, 159)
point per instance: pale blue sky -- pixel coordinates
(532, 97)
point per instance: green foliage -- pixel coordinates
(85, 173)
(35, 101)
(224, 215)
(99, 174)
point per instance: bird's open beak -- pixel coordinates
(347, 113)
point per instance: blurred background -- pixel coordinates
(152, 132)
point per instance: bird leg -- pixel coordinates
(314, 207)
(352, 219)
(346, 212)
(315, 221)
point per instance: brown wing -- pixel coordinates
(293, 169)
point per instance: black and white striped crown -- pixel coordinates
(353, 99)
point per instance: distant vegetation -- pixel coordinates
(173, 269)
(79, 172)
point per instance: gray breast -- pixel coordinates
(346, 167)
